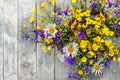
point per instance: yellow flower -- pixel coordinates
(111, 53)
(87, 13)
(90, 62)
(89, 46)
(39, 28)
(105, 30)
(83, 44)
(84, 59)
(84, 49)
(31, 19)
(97, 39)
(71, 8)
(74, 1)
(111, 33)
(95, 47)
(48, 40)
(80, 72)
(91, 53)
(49, 48)
(102, 17)
(88, 31)
(44, 49)
(107, 43)
(119, 59)
(43, 4)
(52, 2)
(114, 58)
(33, 11)
(24, 26)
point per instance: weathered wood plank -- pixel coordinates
(1, 38)
(10, 39)
(26, 52)
(45, 63)
(61, 69)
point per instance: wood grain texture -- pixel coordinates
(1, 38)
(10, 40)
(45, 62)
(26, 53)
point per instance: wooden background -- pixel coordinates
(18, 60)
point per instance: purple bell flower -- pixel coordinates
(94, 6)
(59, 21)
(109, 3)
(107, 63)
(66, 11)
(69, 60)
(81, 35)
(73, 75)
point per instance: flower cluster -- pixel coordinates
(83, 34)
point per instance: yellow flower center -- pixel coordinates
(97, 67)
(51, 30)
(70, 49)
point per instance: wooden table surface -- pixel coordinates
(19, 60)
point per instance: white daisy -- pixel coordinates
(50, 30)
(98, 69)
(71, 49)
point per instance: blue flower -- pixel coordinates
(69, 60)
(73, 75)
(66, 11)
(94, 6)
(109, 3)
(81, 35)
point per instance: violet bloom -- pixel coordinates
(117, 13)
(58, 12)
(66, 11)
(35, 36)
(107, 63)
(69, 60)
(71, 22)
(81, 35)
(109, 3)
(117, 3)
(59, 21)
(73, 75)
(26, 36)
(94, 6)
(118, 25)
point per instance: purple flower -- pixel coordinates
(81, 35)
(35, 36)
(59, 21)
(69, 60)
(73, 75)
(117, 3)
(117, 13)
(118, 25)
(58, 12)
(94, 6)
(26, 36)
(71, 22)
(66, 11)
(107, 63)
(109, 3)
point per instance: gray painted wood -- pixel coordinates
(18, 58)
(10, 39)
(45, 62)
(1, 38)
(26, 49)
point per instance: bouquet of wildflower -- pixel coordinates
(83, 34)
